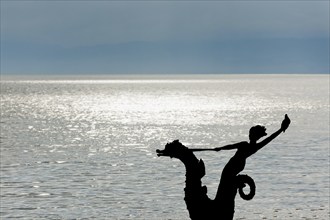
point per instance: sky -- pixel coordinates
(164, 37)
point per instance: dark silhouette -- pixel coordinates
(199, 205)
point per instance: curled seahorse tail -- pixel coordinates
(242, 180)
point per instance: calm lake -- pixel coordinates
(84, 148)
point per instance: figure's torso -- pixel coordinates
(237, 163)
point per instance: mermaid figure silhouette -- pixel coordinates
(199, 205)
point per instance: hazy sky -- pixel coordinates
(99, 37)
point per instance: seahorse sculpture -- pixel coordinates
(199, 205)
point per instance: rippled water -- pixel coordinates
(85, 149)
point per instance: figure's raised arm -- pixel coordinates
(268, 139)
(285, 124)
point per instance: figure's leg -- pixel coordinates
(227, 190)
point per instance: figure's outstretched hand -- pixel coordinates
(285, 123)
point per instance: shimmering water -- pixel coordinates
(85, 149)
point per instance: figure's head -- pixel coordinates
(257, 132)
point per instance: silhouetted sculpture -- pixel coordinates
(199, 205)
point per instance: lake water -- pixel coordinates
(84, 148)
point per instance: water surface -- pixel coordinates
(85, 148)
